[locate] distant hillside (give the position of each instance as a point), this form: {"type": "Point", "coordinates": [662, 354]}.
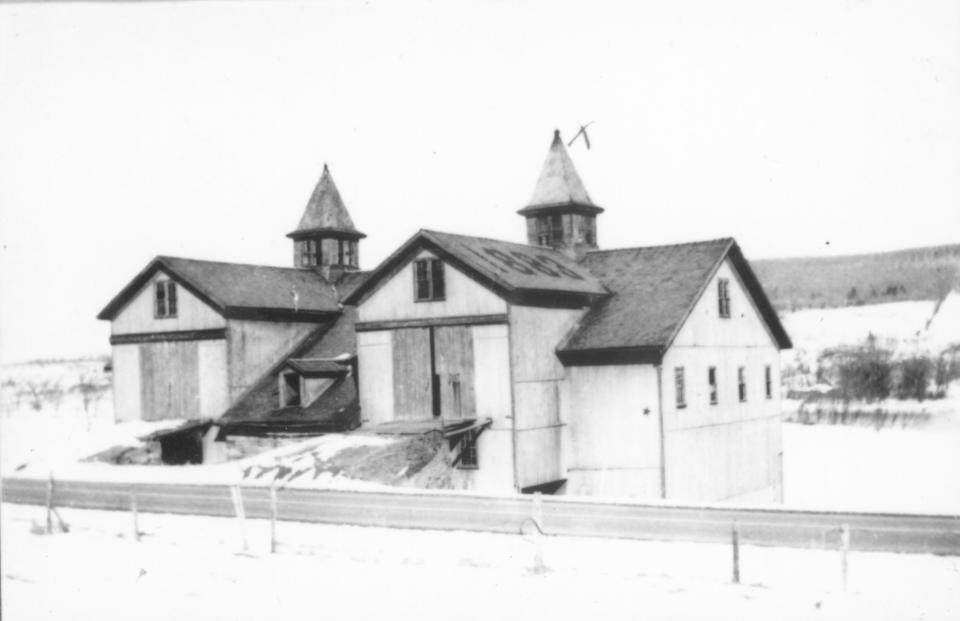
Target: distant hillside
{"type": "Point", "coordinates": [829, 282]}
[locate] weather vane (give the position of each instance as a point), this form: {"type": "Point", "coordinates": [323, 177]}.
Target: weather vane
{"type": "Point", "coordinates": [582, 132]}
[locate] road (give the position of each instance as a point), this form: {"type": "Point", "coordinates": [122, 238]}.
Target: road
{"type": "Point", "coordinates": [558, 515]}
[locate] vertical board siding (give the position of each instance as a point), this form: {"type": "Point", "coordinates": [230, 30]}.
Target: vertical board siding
{"type": "Point", "coordinates": [138, 315]}
{"type": "Point", "coordinates": [453, 347]}
{"type": "Point", "coordinates": [412, 396]}
{"type": "Point", "coordinates": [394, 299]}
{"type": "Point", "coordinates": [375, 365]}
{"type": "Point", "coordinates": [255, 346]}
{"type": "Point", "coordinates": [491, 355]}
{"type": "Point", "coordinates": [538, 456]}
{"type": "Point", "coordinates": [214, 393]}
{"type": "Point", "coordinates": [126, 382]}
{"type": "Point", "coordinates": [169, 376]}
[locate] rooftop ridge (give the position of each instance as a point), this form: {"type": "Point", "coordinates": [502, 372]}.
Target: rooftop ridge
{"type": "Point", "coordinates": [703, 242]}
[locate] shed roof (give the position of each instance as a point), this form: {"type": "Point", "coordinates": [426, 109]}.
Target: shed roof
{"type": "Point", "coordinates": [240, 290]}
{"type": "Point", "coordinates": [559, 184]}
{"type": "Point", "coordinates": [517, 272]}
{"type": "Point", "coordinates": [320, 366]}
{"type": "Point", "coordinates": [325, 211]}
{"type": "Point", "coordinates": [654, 290]}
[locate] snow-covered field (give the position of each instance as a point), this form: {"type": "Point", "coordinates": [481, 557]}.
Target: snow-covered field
{"type": "Point", "coordinates": [895, 323]}
{"type": "Point", "coordinates": [188, 567]}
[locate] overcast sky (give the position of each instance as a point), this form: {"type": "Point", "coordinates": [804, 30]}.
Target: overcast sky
{"type": "Point", "coordinates": [199, 129]}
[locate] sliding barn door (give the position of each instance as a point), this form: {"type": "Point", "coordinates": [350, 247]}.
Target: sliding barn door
{"type": "Point", "coordinates": [412, 386]}
{"type": "Point", "coordinates": [453, 360]}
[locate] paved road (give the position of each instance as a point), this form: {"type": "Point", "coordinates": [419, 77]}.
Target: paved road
{"type": "Point", "coordinates": [560, 516]}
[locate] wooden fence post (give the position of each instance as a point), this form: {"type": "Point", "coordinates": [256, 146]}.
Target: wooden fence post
{"type": "Point", "coordinates": [273, 517]}
{"type": "Point", "coordinates": [237, 497]}
{"type": "Point", "coordinates": [735, 536]}
{"type": "Point", "coordinates": [133, 511]}
{"type": "Point", "coordinates": [536, 515]}
{"type": "Point", "coordinates": [50, 503]}
{"type": "Point", "coordinates": [844, 551]}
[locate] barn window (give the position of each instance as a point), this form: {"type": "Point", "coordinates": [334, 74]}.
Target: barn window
{"type": "Point", "coordinates": [723, 296]}
{"type": "Point", "coordinates": [468, 451]}
{"type": "Point", "coordinates": [712, 380]}
{"type": "Point", "coordinates": [549, 229]}
{"type": "Point", "coordinates": [166, 299]}
{"type": "Point", "coordinates": [768, 381]}
{"type": "Point", "coordinates": [681, 388]}
{"type": "Point", "coordinates": [429, 283]}
{"type": "Point", "coordinates": [742, 383]}
{"type": "Point", "coordinates": [289, 390]}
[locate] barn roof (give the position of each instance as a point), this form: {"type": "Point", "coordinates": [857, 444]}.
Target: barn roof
{"type": "Point", "coordinates": [559, 184]}
{"type": "Point", "coordinates": [240, 290]}
{"type": "Point", "coordinates": [257, 411]}
{"type": "Point", "coordinates": [325, 211]}
{"type": "Point", "coordinates": [518, 272]}
{"type": "Point", "coordinates": [654, 290]}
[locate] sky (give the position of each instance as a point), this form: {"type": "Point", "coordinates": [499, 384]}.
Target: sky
{"type": "Point", "coordinates": [199, 129]}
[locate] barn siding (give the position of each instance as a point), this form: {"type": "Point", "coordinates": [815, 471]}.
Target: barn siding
{"type": "Point", "coordinates": [126, 382]}
{"type": "Point", "coordinates": [254, 346]}
{"type": "Point", "coordinates": [394, 300]}
{"type": "Point", "coordinates": [375, 364]}
{"type": "Point", "coordinates": [412, 393]}
{"type": "Point", "coordinates": [613, 431]}
{"type": "Point", "coordinates": [169, 380]}
{"type": "Point", "coordinates": [214, 392]}
{"type": "Point", "coordinates": [732, 449]}
{"type": "Point", "coordinates": [138, 315]}
{"type": "Point", "coordinates": [537, 383]}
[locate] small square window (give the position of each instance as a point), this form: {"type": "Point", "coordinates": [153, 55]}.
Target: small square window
{"type": "Point", "coordinates": [723, 297]}
{"type": "Point", "coordinates": [165, 299]}
{"type": "Point", "coordinates": [289, 390]}
{"type": "Point", "coordinates": [742, 383]}
{"type": "Point", "coordinates": [428, 280]}
{"type": "Point", "coordinates": [680, 386]}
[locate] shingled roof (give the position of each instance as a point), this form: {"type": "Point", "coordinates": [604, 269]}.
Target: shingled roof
{"type": "Point", "coordinates": [520, 273]}
{"type": "Point", "coordinates": [257, 411]}
{"type": "Point", "coordinates": [654, 291]}
{"type": "Point", "coordinates": [559, 184]}
{"type": "Point", "coordinates": [239, 290]}
{"type": "Point", "coordinates": [325, 211]}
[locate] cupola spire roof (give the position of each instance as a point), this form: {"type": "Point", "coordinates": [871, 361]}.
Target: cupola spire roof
{"type": "Point", "coordinates": [559, 184]}
{"type": "Point", "coordinates": [326, 211]}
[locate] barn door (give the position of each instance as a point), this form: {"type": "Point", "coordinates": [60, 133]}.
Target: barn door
{"type": "Point", "coordinates": [412, 386]}
{"type": "Point", "coordinates": [453, 363]}
{"type": "Point", "coordinates": [169, 380]}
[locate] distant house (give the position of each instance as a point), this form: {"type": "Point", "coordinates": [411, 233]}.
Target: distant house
{"type": "Point", "coordinates": [200, 339]}
{"type": "Point", "coordinates": [645, 372]}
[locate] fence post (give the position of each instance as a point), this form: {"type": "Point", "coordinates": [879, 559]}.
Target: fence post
{"type": "Point", "coordinates": [735, 536]}
{"type": "Point", "coordinates": [273, 517]}
{"type": "Point", "coordinates": [844, 551]}
{"type": "Point", "coordinates": [237, 497]}
{"type": "Point", "coordinates": [133, 511]}
{"type": "Point", "coordinates": [50, 503]}
{"type": "Point", "coordinates": [536, 514]}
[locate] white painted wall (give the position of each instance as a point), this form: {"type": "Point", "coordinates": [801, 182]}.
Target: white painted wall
{"type": "Point", "coordinates": [613, 431]}
{"type": "Point", "coordinates": [731, 449]}
{"type": "Point", "coordinates": [375, 365]}
{"type": "Point", "coordinates": [126, 382]}
{"type": "Point", "coordinates": [138, 315]}
{"type": "Point", "coordinates": [214, 392]}
{"type": "Point", "coordinates": [394, 300]}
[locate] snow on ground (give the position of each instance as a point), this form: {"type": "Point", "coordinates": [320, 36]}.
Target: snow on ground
{"type": "Point", "coordinates": [860, 468]}
{"type": "Point", "coordinates": [189, 567]}
{"type": "Point", "coordinates": [895, 322]}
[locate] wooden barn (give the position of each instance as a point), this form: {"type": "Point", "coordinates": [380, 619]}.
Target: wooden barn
{"type": "Point", "coordinates": [549, 366]}
{"type": "Point", "coordinates": [257, 348]}
{"type": "Point", "coordinates": [641, 372]}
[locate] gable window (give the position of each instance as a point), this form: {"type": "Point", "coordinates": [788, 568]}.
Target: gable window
{"type": "Point", "coordinates": [723, 297]}
{"type": "Point", "coordinates": [712, 380]}
{"type": "Point", "coordinates": [166, 299]}
{"type": "Point", "coordinates": [768, 381]}
{"type": "Point", "coordinates": [428, 284]}
{"type": "Point", "coordinates": [742, 384]}
{"type": "Point", "coordinates": [680, 386]}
